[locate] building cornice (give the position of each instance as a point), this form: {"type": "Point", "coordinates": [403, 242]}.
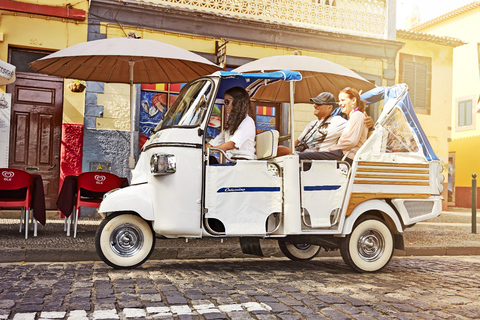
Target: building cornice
{"type": "Point", "coordinates": [420, 36]}
{"type": "Point", "coordinates": [188, 21]}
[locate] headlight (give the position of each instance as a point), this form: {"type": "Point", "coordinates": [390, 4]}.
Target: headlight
{"type": "Point", "coordinates": [161, 164]}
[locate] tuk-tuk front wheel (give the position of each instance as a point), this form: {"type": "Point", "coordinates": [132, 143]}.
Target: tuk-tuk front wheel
{"type": "Point", "coordinates": [124, 240]}
{"type": "Point", "coordinates": [369, 247]}
{"type": "Point", "coordinates": [298, 251]}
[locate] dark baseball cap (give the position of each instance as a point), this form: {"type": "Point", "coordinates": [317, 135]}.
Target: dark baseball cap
{"type": "Point", "coordinates": [324, 98]}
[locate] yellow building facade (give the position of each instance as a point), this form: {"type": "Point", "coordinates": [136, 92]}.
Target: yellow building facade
{"type": "Point", "coordinates": [465, 134]}
{"type": "Point", "coordinates": [437, 54]}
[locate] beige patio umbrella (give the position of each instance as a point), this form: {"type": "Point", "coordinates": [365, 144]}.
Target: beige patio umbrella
{"type": "Point", "coordinates": [318, 75]}
{"type": "Point", "coordinates": [125, 60]}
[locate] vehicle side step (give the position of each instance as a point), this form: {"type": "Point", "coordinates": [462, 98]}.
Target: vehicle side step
{"type": "Point", "coordinates": [251, 246]}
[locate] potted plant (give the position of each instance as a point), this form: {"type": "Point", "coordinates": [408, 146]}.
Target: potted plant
{"type": "Point", "coordinates": [77, 86]}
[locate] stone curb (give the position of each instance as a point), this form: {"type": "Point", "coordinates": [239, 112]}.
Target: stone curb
{"type": "Point", "coordinates": [10, 255]}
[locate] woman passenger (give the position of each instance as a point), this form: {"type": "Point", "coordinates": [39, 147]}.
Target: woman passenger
{"type": "Point", "coordinates": [238, 137]}
{"type": "Point", "coordinates": [355, 133]}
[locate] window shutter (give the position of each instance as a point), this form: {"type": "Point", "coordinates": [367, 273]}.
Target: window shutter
{"type": "Point", "coordinates": [461, 114]}
{"type": "Point", "coordinates": [468, 113]}
{"type": "Point", "coordinates": [416, 71]}
{"type": "Point", "coordinates": [421, 85]}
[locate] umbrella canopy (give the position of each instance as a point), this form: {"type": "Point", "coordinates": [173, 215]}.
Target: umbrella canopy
{"type": "Point", "coordinates": [125, 60]}
{"type": "Point", "coordinates": [7, 73]}
{"type": "Point", "coordinates": [318, 75]}
{"type": "Point", "coordinates": [108, 60]}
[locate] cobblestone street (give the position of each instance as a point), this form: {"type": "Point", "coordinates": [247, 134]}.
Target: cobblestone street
{"type": "Point", "coordinates": [271, 288]}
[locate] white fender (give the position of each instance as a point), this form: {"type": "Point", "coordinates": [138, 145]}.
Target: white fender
{"type": "Point", "coordinates": [363, 207]}
{"type": "Point", "coordinates": [134, 198]}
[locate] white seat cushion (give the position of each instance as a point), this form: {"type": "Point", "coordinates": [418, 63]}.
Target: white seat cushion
{"type": "Point", "coordinates": [266, 144]}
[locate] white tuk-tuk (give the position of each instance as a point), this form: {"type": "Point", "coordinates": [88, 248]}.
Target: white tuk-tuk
{"type": "Point", "coordinates": [362, 209]}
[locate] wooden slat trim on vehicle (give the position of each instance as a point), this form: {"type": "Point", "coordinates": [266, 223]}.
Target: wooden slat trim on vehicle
{"type": "Point", "coordinates": [396, 182]}
{"type": "Point", "coordinates": [381, 176]}
{"type": "Point", "coordinates": [391, 170]}
{"type": "Point", "coordinates": [393, 164]}
{"type": "Point", "coordinates": [357, 198]}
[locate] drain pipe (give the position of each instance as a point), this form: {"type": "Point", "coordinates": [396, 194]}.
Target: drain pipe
{"type": "Point", "coordinates": [474, 203]}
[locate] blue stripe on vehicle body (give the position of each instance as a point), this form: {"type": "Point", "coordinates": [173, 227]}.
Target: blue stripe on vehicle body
{"type": "Point", "coordinates": [248, 189]}
{"type": "Point", "coordinates": [320, 188]}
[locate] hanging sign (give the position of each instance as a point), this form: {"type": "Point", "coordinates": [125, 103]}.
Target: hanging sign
{"type": "Point", "coordinates": [7, 73]}
{"type": "Point", "coordinates": [221, 52]}
{"type": "Point", "coordinates": [5, 107]}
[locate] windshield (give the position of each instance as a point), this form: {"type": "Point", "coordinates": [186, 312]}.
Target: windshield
{"type": "Point", "coordinates": [190, 106]}
{"type": "Point", "coordinates": [397, 135]}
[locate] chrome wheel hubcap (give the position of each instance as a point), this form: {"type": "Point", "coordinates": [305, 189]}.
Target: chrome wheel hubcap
{"type": "Point", "coordinates": [302, 246]}
{"type": "Point", "coordinates": [126, 240]}
{"type": "Point", "coordinates": [371, 245]}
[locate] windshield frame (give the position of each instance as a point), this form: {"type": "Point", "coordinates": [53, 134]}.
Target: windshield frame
{"type": "Point", "coordinates": [213, 91]}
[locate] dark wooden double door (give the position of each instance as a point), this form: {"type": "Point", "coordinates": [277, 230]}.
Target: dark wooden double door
{"type": "Point", "coordinates": [35, 129]}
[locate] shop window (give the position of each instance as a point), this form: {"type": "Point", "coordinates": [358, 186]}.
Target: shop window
{"type": "Point", "coordinates": [267, 116]}
{"type": "Point", "coordinates": [155, 99]}
{"type": "Point", "coordinates": [20, 58]}
{"type": "Point", "coordinates": [465, 119]}
{"type": "Point", "coordinates": [416, 72]}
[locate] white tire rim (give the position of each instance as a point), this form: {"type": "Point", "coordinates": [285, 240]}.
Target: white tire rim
{"type": "Point", "coordinates": [125, 240]}
{"type": "Point", "coordinates": [371, 245]}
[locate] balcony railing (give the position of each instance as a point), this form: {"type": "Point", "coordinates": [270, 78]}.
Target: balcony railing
{"type": "Point", "coordinates": [358, 17]}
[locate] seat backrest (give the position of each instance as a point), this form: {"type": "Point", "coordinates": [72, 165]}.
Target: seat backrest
{"type": "Point", "coordinates": [12, 179]}
{"type": "Point", "coordinates": [267, 144]}
{"type": "Point", "coordinates": [98, 181]}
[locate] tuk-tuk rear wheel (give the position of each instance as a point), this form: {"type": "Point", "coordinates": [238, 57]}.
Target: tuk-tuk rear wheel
{"type": "Point", "coordinates": [124, 240]}
{"type": "Point", "coordinates": [298, 251]}
{"type": "Point", "coordinates": [369, 247]}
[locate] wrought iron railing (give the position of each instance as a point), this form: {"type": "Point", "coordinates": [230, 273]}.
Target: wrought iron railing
{"type": "Point", "coordinates": [358, 17]}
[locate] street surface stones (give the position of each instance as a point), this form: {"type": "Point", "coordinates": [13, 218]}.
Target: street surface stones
{"type": "Point", "coordinates": [446, 287]}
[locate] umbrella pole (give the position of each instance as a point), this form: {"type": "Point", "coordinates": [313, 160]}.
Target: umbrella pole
{"type": "Point", "coordinates": [292, 94]}
{"type": "Point", "coordinates": [131, 159]}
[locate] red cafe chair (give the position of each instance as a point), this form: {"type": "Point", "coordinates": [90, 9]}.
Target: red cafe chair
{"type": "Point", "coordinates": [16, 180]}
{"type": "Point", "coordinates": [91, 186]}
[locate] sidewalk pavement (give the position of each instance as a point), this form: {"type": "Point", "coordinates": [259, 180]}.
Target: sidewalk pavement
{"type": "Point", "coordinates": [448, 234]}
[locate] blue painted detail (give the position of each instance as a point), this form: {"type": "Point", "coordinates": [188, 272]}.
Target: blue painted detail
{"type": "Point", "coordinates": [320, 188]}
{"type": "Point", "coordinates": [94, 29]}
{"type": "Point", "coordinates": [93, 110]}
{"type": "Point", "coordinates": [90, 98]}
{"type": "Point", "coordinates": [90, 122]}
{"type": "Point", "coordinates": [248, 189]}
{"type": "Point", "coordinates": [95, 87]}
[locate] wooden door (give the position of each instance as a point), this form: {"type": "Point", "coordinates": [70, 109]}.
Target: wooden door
{"type": "Point", "coordinates": [35, 130]}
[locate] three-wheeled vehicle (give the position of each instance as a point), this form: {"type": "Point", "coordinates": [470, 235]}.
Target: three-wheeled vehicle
{"type": "Point", "coordinates": [362, 209]}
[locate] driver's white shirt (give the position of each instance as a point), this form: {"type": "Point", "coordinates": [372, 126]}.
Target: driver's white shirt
{"type": "Point", "coordinates": [244, 139]}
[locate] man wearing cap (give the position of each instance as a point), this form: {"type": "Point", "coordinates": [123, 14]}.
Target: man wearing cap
{"type": "Point", "coordinates": [322, 133]}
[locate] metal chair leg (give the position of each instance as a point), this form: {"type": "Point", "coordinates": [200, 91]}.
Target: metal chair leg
{"type": "Point", "coordinates": [75, 223]}
{"type": "Point", "coordinates": [68, 225]}
{"type": "Point", "coordinates": [34, 226]}
{"type": "Point", "coordinates": [21, 219]}
{"type": "Point", "coordinates": [27, 214]}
